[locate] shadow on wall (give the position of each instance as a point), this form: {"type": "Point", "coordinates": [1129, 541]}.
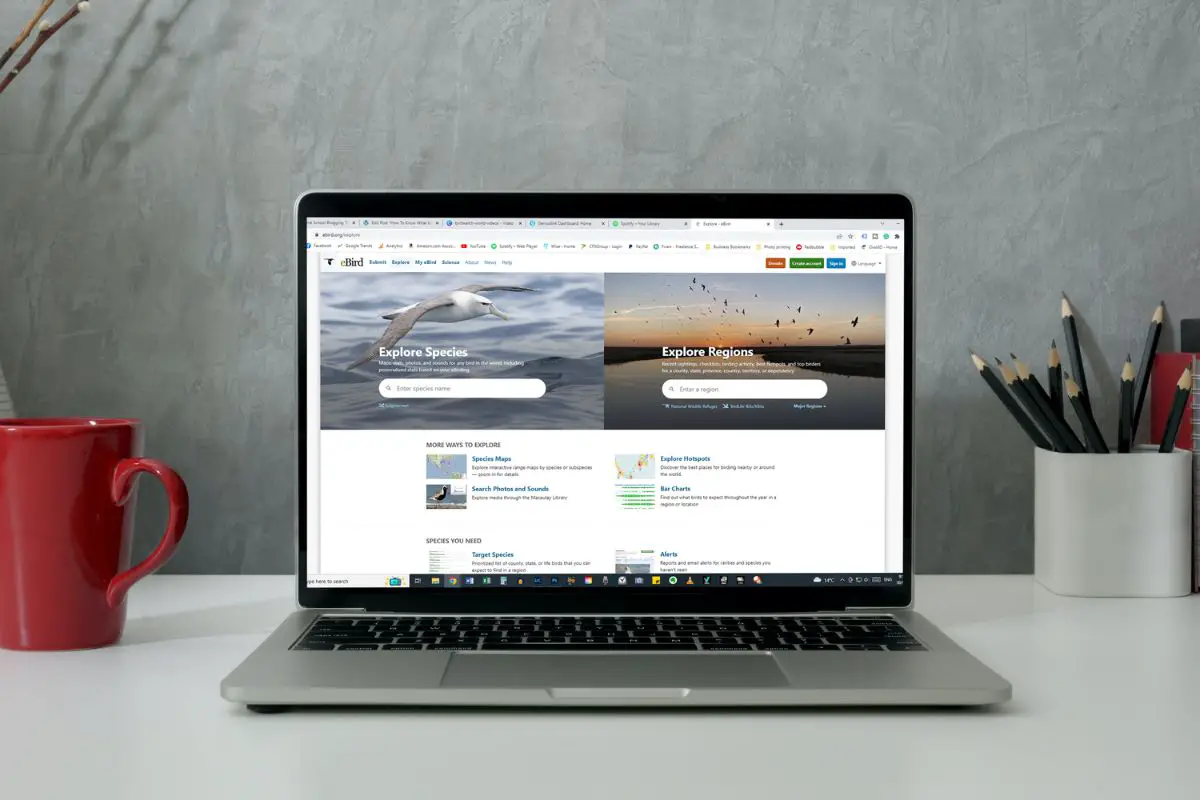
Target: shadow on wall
{"type": "Point", "coordinates": [113, 133]}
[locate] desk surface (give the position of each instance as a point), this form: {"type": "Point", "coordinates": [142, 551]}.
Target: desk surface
{"type": "Point", "coordinates": [1106, 702]}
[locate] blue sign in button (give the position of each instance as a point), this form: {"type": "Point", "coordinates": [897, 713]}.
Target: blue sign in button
{"type": "Point", "coordinates": [835, 263]}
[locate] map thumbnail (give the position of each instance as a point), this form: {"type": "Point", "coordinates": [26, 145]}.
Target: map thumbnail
{"type": "Point", "coordinates": [445, 466]}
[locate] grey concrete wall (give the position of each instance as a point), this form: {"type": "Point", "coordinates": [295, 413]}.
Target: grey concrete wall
{"type": "Point", "coordinates": [150, 156]}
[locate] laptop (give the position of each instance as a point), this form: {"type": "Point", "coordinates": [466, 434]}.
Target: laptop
{"type": "Point", "coordinates": [585, 449]}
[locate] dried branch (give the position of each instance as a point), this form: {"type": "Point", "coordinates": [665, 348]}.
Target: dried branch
{"type": "Point", "coordinates": [44, 33]}
{"type": "Point", "coordinates": [24, 34]}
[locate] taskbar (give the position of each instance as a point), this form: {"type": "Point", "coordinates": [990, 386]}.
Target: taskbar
{"type": "Point", "coordinates": [622, 580]}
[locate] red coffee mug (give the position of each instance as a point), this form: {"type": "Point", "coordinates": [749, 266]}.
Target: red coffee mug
{"type": "Point", "coordinates": [66, 524]}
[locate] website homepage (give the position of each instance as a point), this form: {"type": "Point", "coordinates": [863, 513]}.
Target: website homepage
{"type": "Point", "coordinates": [604, 403]}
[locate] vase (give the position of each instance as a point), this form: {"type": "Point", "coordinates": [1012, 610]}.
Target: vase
{"type": "Point", "coordinates": [6, 406]}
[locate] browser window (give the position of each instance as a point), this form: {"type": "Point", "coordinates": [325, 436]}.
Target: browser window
{"type": "Point", "coordinates": [604, 402]}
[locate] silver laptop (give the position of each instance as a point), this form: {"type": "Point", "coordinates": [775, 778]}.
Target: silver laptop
{"type": "Point", "coordinates": [605, 449]}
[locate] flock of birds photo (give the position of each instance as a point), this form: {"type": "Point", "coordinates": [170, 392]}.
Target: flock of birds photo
{"type": "Point", "coordinates": [709, 315]}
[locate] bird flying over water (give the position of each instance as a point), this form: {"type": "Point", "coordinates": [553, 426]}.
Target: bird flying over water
{"type": "Point", "coordinates": [854, 322]}
{"type": "Point", "coordinates": [457, 305]}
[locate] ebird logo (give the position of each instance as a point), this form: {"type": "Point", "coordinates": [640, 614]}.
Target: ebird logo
{"type": "Point", "coordinates": [351, 262]}
{"type": "Point", "coordinates": [329, 262]}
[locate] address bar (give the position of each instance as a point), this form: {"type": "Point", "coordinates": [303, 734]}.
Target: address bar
{"type": "Point", "coordinates": [340, 235]}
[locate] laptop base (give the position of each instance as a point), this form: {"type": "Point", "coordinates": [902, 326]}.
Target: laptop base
{"type": "Point", "coordinates": [275, 678]}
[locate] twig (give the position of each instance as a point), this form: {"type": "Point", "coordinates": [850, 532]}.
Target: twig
{"type": "Point", "coordinates": [24, 34]}
{"type": "Point", "coordinates": [39, 40]}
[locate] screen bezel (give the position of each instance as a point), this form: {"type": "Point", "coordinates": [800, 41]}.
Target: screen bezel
{"type": "Point", "coordinates": [625, 600]}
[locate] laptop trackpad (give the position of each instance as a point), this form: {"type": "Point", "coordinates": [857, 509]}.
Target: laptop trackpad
{"type": "Point", "coordinates": [545, 670]}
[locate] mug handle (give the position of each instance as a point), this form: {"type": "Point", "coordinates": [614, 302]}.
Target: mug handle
{"type": "Point", "coordinates": [177, 498]}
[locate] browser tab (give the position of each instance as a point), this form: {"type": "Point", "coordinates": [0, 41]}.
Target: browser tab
{"type": "Point", "coordinates": [487, 223]}
{"type": "Point", "coordinates": [732, 224]}
{"type": "Point", "coordinates": [652, 224]}
{"type": "Point", "coordinates": [566, 224]}
{"type": "Point", "coordinates": [401, 222]}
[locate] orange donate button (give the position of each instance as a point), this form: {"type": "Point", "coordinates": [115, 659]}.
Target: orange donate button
{"type": "Point", "coordinates": [776, 263]}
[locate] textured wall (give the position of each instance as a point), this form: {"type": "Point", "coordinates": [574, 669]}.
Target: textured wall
{"type": "Point", "coordinates": [151, 156]}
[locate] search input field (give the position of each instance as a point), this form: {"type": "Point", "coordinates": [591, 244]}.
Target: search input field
{"type": "Point", "coordinates": [474, 388]}
{"type": "Point", "coordinates": [782, 389]}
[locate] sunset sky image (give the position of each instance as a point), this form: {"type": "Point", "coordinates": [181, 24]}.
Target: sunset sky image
{"type": "Point", "coordinates": [741, 309]}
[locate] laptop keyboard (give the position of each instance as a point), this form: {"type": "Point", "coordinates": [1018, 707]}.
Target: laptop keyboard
{"type": "Point", "coordinates": [607, 633]}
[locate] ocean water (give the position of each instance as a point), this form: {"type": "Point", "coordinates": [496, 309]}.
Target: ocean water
{"type": "Point", "coordinates": [574, 400]}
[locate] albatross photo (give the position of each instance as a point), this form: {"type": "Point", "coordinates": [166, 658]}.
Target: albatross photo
{"type": "Point", "coordinates": [381, 329]}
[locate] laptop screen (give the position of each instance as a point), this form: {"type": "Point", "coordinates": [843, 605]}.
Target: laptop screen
{"type": "Point", "coordinates": [591, 404]}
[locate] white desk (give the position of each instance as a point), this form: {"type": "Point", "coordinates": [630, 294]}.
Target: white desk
{"type": "Point", "coordinates": [1106, 704]}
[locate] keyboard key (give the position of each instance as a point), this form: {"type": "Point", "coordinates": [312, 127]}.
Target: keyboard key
{"type": "Point", "coordinates": [819, 647]}
{"type": "Point", "coordinates": [402, 647]}
{"type": "Point", "coordinates": [450, 647]}
{"type": "Point", "coordinates": [709, 646]}
{"type": "Point", "coordinates": [544, 646]}
{"type": "Point", "coordinates": [313, 646]}
{"type": "Point", "coordinates": [358, 647]}
{"type": "Point", "coordinates": [349, 633]}
{"type": "Point", "coordinates": [906, 647]}
{"type": "Point", "coordinates": [657, 646]}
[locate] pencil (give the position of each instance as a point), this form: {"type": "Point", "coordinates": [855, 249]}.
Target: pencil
{"type": "Point", "coordinates": [1090, 431]}
{"type": "Point", "coordinates": [1183, 390]}
{"type": "Point", "coordinates": [1073, 352]}
{"type": "Point", "coordinates": [1035, 413]}
{"type": "Point", "coordinates": [1042, 400]}
{"type": "Point", "coordinates": [1054, 376]}
{"type": "Point", "coordinates": [1143, 378]}
{"type": "Point", "coordinates": [1125, 421]}
{"type": "Point", "coordinates": [1006, 398]}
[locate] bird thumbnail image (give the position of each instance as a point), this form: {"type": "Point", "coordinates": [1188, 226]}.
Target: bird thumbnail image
{"type": "Point", "coordinates": [445, 495]}
{"type": "Point", "coordinates": [457, 305]}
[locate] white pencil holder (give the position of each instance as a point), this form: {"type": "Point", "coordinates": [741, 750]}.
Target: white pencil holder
{"type": "Point", "coordinates": [1115, 525]}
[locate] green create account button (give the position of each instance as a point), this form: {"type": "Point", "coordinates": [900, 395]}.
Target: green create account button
{"type": "Point", "coordinates": [806, 263]}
